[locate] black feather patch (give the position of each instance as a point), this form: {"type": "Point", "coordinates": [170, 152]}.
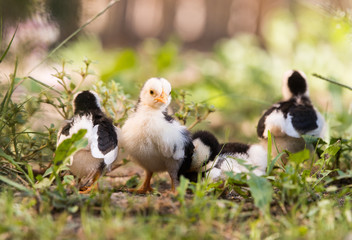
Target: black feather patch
{"type": "Point", "coordinates": [85, 102]}
{"type": "Point", "coordinates": [189, 149]}
{"type": "Point", "coordinates": [297, 83]}
{"type": "Point", "coordinates": [304, 119]}
{"type": "Point", "coordinates": [66, 129]}
{"type": "Point", "coordinates": [168, 117]}
{"type": "Point", "coordinates": [233, 147]}
{"type": "Point", "coordinates": [107, 136]}
{"type": "Point", "coordinates": [286, 106]}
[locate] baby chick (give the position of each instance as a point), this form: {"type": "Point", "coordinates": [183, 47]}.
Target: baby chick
{"type": "Point", "coordinates": [292, 117]}
{"type": "Point", "coordinates": [153, 139]}
{"type": "Point", "coordinates": [89, 164]}
{"type": "Point", "coordinates": [213, 159]}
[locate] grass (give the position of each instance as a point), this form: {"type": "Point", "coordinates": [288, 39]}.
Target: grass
{"type": "Point", "coordinates": [301, 200]}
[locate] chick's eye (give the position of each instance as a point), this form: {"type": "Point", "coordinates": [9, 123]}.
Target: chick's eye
{"type": "Point", "coordinates": [151, 92]}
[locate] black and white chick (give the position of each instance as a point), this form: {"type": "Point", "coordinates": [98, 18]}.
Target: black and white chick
{"type": "Point", "coordinates": [153, 139]}
{"type": "Point", "coordinates": [213, 160]}
{"type": "Point", "coordinates": [89, 163]}
{"type": "Point", "coordinates": [292, 117]}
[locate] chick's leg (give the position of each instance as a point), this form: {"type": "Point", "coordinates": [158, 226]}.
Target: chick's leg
{"type": "Point", "coordinates": [88, 187]}
{"type": "Point", "coordinates": [146, 185]}
{"type": "Point", "coordinates": [174, 181]}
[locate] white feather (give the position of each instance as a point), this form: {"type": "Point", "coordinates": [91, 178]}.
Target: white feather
{"type": "Point", "coordinates": [215, 174]}
{"type": "Point", "coordinates": [256, 156]}
{"type": "Point", "coordinates": [111, 156]}
{"type": "Point", "coordinates": [275, 123]}
{"type": "Point", "coordinates": [94, 143]}
{"type": "Point", "coordinates": [200, 155]}
{"type": "Point", "coordinates": [84, 122]}
{"type": "Point", "coordinates": [289, 129]}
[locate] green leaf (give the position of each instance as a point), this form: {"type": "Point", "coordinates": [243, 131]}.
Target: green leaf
{"type": "Point", "coordinates": [69, 146]}
{"type": "Point", "coordinates": [43, 183]}
{"type": "Point", "coordinates": [299, 157]}
{"type": "Point", "coordinates": [261, 191]}
{"type": "Point", "coordinates": [132, 182]}
{"type": "Point", "coordinates": [235, 178]}
{"type": "Point", "coordinates": [48, 172]}
{"type": "Point", "coordinates": [332, 149]}
{"type": "Point", "coordinates": [72, 86]}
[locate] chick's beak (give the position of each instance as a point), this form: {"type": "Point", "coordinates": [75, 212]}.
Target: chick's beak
{"type": "Point", "coordinates": [162, 98]}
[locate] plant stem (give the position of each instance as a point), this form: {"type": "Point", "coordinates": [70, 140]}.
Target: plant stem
{"type": "Point", "coordinates": [198, 120]}
{"type": "Point", "coordinates": [34, 151]}
{"type": "Point", "coordinates": [332, 81]}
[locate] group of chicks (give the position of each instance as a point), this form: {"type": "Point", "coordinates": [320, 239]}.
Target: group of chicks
{"type": "Point", "coordinates": [159, 143]}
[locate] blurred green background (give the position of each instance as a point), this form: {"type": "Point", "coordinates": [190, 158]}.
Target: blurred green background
{"type": "Point", "coordinates": [230, 54]}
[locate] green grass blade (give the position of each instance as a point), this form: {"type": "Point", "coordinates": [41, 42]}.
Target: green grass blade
{"type": "Point", "coordinates": [2, 105]}
{"type": "Point", "coordinates": [6, 100]}
{"type": "Point", "coordinates": [332, 81]}
{"type": "Point", "coordinates": [273, 162]}
{"type": "Point", "coordinates": [43, 84]}
{"type": "Point", "coordinates": [30, 172]}
{"type": "Point", "coordinates": [15, 185]}
{"type": "Point", "coordinates": [269, 153]}
{"type": "Point", "coordinates": [8, 46]}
